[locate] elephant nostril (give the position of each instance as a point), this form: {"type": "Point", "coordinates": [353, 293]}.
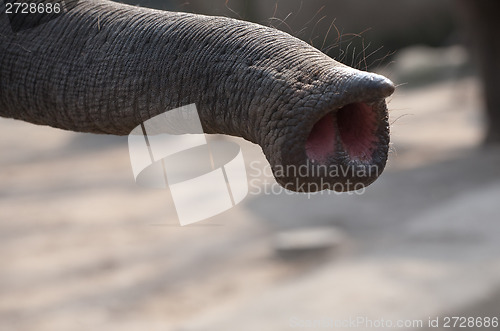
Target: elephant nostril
{"type": "Point", "coordinates": [357, 125]}
{"type": "Point", "coordinates": [353, 126]}
{"type": "Point", "coordinates": [321, 141]}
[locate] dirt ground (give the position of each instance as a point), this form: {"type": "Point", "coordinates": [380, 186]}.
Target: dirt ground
{"type": "Point", "coordinates": [84, 248]}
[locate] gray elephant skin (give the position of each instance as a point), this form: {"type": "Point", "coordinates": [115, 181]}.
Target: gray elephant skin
{"type": "Point", "coordinates": [104, 67]}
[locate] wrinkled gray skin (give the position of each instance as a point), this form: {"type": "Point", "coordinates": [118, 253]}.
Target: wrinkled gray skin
{"type": "Point", "coordinates": [105, 67]}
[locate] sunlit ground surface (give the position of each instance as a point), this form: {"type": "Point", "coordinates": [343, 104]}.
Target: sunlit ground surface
{"type": "Point", "coordinates": [83, 248]}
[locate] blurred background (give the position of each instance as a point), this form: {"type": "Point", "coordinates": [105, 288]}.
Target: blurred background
{"type": "Point", "coordinates": [83, 248]}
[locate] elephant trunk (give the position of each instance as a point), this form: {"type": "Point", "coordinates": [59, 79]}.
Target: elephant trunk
{"type": "Point", "coordinates": [105, 67]}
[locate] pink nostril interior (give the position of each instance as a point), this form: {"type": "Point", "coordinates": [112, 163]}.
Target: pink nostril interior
{"type": "Point", "coordinates": [321, 141]}
{"type": "Point", "coordinates": [356, 123]}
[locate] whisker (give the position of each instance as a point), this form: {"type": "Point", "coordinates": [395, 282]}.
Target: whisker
{"type": "Point", "coordinates": [232, 11]}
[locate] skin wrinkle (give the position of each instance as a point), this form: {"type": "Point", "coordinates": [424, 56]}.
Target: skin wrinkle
{"type": "Point", "coordinates": [120, 91]}
{"type": "Point", "coordinates": [115, 66]}
{"type": "Point", "coordinates": [68, 87]}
